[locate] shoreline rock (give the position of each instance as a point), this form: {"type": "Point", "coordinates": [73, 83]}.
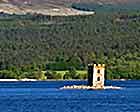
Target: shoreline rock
{"type": "Point", "coordinates": [90, 87]}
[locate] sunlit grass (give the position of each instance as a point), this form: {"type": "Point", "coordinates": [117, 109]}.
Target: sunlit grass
{"type": "Point", "coordinates": [77, 71]}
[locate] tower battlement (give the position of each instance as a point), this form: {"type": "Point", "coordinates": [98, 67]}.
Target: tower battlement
{"type": "Point", "coordinates": [99, 65]}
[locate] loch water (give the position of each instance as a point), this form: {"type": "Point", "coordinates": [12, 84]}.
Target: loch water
{"type": "Point", "coordinates": [45, 96]}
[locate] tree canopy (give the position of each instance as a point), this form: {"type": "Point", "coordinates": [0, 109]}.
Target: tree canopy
{"type": "Point", "coordinates": [35, 42]}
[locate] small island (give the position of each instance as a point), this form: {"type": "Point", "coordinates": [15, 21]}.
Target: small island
{"type": "Point", "coordinates": [96, 78]}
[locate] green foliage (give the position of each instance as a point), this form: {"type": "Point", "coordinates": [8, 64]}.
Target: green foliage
{"type": "Point", "coordinates": [67, 76]}
{"type": "Point", "coordinates": [5, 74]}
{"type": "Point", "coordinates": [56, 75]}
{"type": "Point", "coordinates": [53, 75]}
{"type": "Point", "coordinates": [65, 64]}
{"type": "Point", "coordinates": [39, 75]}
{"type": "Point", "coordinates": [49, 75]}
{"type": "Point", "coordinates": [71, 74]}
{"type": "Point", "coordinates": [29, 42]}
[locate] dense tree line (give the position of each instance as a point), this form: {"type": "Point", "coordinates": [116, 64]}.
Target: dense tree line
{"type": "Point", "coordinates": [33, 43]}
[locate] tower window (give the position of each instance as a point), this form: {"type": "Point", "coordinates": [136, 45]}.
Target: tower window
{"type": "Point", "coordinates": [98, 78]}
{"type": "Point", "coordinates": [98, 71]}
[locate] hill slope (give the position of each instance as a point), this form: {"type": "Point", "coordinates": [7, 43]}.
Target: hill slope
{"type": "Point", "coordinates": [52, 7]}
{"type": "Point", "coordinates": [45, 7]}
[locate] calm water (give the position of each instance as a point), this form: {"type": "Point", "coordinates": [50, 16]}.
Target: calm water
{"type": "Point", "coordinates": [46, 97]}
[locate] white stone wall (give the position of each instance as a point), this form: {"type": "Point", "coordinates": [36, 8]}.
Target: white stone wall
{"type": "Point", "coordinates": [101, 74]}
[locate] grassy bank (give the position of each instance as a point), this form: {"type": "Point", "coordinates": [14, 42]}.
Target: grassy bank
{"type": "Point", "coordinates": [67, 74]}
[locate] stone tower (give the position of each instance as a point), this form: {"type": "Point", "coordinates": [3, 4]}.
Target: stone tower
{"type": "Point", "coordinates": [96, 73]}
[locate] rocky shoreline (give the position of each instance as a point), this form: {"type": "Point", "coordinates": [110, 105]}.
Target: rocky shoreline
{"type": "Point", "coordinates": [89, 87]}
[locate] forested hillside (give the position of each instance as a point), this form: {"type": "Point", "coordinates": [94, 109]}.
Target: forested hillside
{"type": "Point", "coordinates": [35, 43]}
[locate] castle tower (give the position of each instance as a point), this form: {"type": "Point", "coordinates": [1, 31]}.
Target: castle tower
{"type": "Point", "coordinates": [96, 75]}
